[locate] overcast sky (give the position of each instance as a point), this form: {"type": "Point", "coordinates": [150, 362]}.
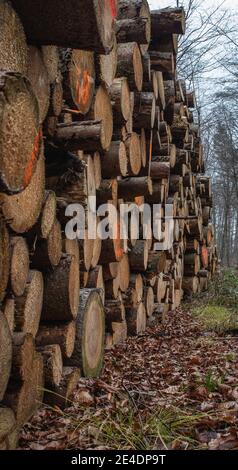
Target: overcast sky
{"type": "Point", "coordinates": [165, 3]}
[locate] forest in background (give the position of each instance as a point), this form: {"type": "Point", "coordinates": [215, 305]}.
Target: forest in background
{"type": "Point", "coordinates": [208, 59]}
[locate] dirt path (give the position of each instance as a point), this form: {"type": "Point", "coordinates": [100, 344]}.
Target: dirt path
{"type": "Point", "coordinates": [174, 387]}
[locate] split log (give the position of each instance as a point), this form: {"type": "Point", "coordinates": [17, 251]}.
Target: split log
{"type": "Point", "coordinates": [62, 334]}
{"type": "Point", "coordinates": [4, 258]}
{"type": "Point", "coordinates": [53, 365]}
{"type": "Point", "coordinates": [120, 98]}
{"type": "Point", "coordinates": [39, 79]}
{"type": "Point", "coordinates": [144, 110]}
{"type": "Point", "coordinates": [61, 291]}
{"type": "Point", "coordinates": [61, 396]}
{"type": "Point", "coordinates": [21, 211]}
{"type": "Point", "coordinates": [48, 251]}
{"type": "Point", "coordinates": [90, 334]}
{"type": "Point", "coordinates": [28, 306]}
{"type": "Point", "coordinates": [136, 320]}
{"type": "Point", "coordinates": [19, 265]}
{"type": "Point", "coordinates": [114, 162]}
{"type": "Point", "coordinates": [133, 10]}
{"type": "Point", "coordinates": [78, 72]}
{"type": "Point", "coordinates": [167, 20]}
{"type": "Point", "coordinates": [22, 357]}
{"type": "Point", "coordinates": [129, 65]}
{"type": "Point", "coordinates": [85, 25]}
{"type": "Point", "coordinates": [5, 354]}
{"type": "Point", "coordinates": [20, 142]}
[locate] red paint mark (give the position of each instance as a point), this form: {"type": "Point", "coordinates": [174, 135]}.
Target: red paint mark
{"type": "Point", "coordinates": [83, 89]}
{"type": "Point", "coordinates": [113, 7]}
{"type": "Point", "coordinates": [34, 155]}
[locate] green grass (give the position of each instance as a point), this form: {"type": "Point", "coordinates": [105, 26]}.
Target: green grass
{"type": "Point", "coordinates": [217, 310]}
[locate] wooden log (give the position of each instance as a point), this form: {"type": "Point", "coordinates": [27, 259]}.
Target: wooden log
{"type": "Point", "coordinates": [46, 219]}
{"type": "Point", "coordinates": [144, 110]}
{"type": "Point", "coordinates": [190, 285]}
{"type": "Point", "coordinates": [53, 365]}
{"type": "Point", "coordinates": [48, 251]}
{"type": "Point", "coordinates": [101, 110]}
{"type": "Point", "coordinates": [162, 62]}
{"type": "Point", "coordinates": [106, 65]}
{"type": "Point", "coordinates": [87, 136]}
{"type": "Point", "coordinates": [138, 256]}
{"type": "Point", "coordinates": [95, 281]}
{"type": "Point", "coordinates": [39, 79]}
{"type": "Point", "coordinates": [114, 312]}
{"type": "Point", "coordinates": [51, 60]}
{"type": "Point", "coordinates": [114, 162]}
{"type": "Point", "coordinates": [149, 301]}
{"type": "Point", "coordinates": [107, 191]}
{"type": "Point", "coordinates": [18, 156]}
{"type": "Point", "coordinates": [19, 265]}
{"type": "Point", "coordinates": [120, 99]}
{"type": "Point", "coordinates": [119, 332]}
{"type": "Point", "coordinates": [129, 65]}
{"type": "Point", "coordinates": [60, 24]}
{"type": "Point", "coordinates": [90, 334]}
{"type": "Point", "coordinates": [167, 20]}
{"type": "Point", "coordinates": [5, 354]}
{"type": "Point", "coordinates": [25, 399]}
{"type": "Point", "coordinates": [133, 30]}
{"type": "Point", "coordinates": [56, 99]}
{"type": "Point", "coordinates": [8, 431]}
{"type": "Point", "coordinates": [112, 249]}
{"type": "Point", "coordinates": [133, 10]}
{"type": "Point", "coordinates": [86, 252]}
{"type": "Point", "coordinates": [8, 309]}
{"type": "Point", "coordinates": [134, 293]}
{"type": "Point", "coordinates": [61, 291]}
{"type": "Point", "coordinates": [61, 396]}
{"type": "Point", "coordinates": [28, 306]}
{"type": "Point", "coordinates": [13, 47]}
{"type": "Point", "coordinates": [133, 149]}
{"type": "Point", "coordinates": [22, 356]}
{"type": "Point", "coordinates": [136, 320]}
{"type": "Point", "coordinates": [22, 210]}
{"type": "Point", "coordinates": [78, 72]}
{"type": "Point", "coordinates": [129, 188]}
{"type": "Point", "coordinates": [124, 273]}
{"type": "Point", "coordinates": [110, 271]}
{"type": "Point", "coordinates": [62, 334]}
{"type": "Point", "coordinates": [4, 258]}
{"type": "Point", "coordinates": [97, 169]}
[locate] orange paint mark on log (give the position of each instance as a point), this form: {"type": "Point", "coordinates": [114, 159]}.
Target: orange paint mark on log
{"type": "Point", "coordinates": [83, 89]}
{"type": "Point", "coordinates": [113, 7]}
{"type": "Point", "coordinates": [34, 155]}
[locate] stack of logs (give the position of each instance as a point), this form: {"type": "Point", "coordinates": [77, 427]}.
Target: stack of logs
{"type": "Point", "coordinates": [90, 105]}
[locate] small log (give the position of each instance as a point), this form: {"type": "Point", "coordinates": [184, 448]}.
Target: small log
{"type": "Point", "coordinates": [149, 301]}
{"type": "Point", "coordinates": [51, 60]}
{"type": "Point", "coordinates": [114, 312]}
{"type": "Point", "coordinates": [8, 309]}
{"type": "Point", "coordinates": [114, 162]}
{"type": "Point", "coordinates": [28, 306]}
{"type": "Point", "coordinates": [124, 273]}
{"type": "Point", "coordinates": [168, 20]}
{"type": "Point", "coordinates": [144, 110]}
{"type": "Point", "coordinates": [129, 188]}
{"type": "Point", "coordinates": [120, 98]}
{"type": "Point", "coordinates": [106, 65]}
{"type": "Point", "coordinates": [61, 291]}
{"type": "Point", "coordinates": [138, 256]}
{"type": "Point", "coordinates": [8, 432]}
{"type": "Point", "coordinates": [62, 334]}
{"type": "Point", "coordinates": [133, 30]}
{"type": "Point", "coordinates": [133, 149]}
{"type": "Point", "coordinates": [133, 10]}
{"type": "Point", "coordinates": [129, 65]}
{"type": "Point", "coordinates": [87, 136]}
{"type": "Point", "coordinates": [48, 251]}
{"type": "Point", "coordinates": [61, 396]}
{"type": "Point", "coordinates": [4, 258]}
{"type": "Point", "coordinates": [78, 72]}
{"type": "Point", "coordinates": [136, 320]}
{"type": "Point", "coordinates": [22, 356]}
{"type": "Point", "coordinates": [162, 62]}
{"type": "Point", "coordinates": [53, 365]}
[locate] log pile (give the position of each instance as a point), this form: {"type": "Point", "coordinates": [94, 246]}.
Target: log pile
{"type": "Point", "coordinates": [97, 115]}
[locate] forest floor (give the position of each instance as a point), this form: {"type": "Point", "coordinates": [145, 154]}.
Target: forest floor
{"type": "Point", "coordinates": [174, 387]}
